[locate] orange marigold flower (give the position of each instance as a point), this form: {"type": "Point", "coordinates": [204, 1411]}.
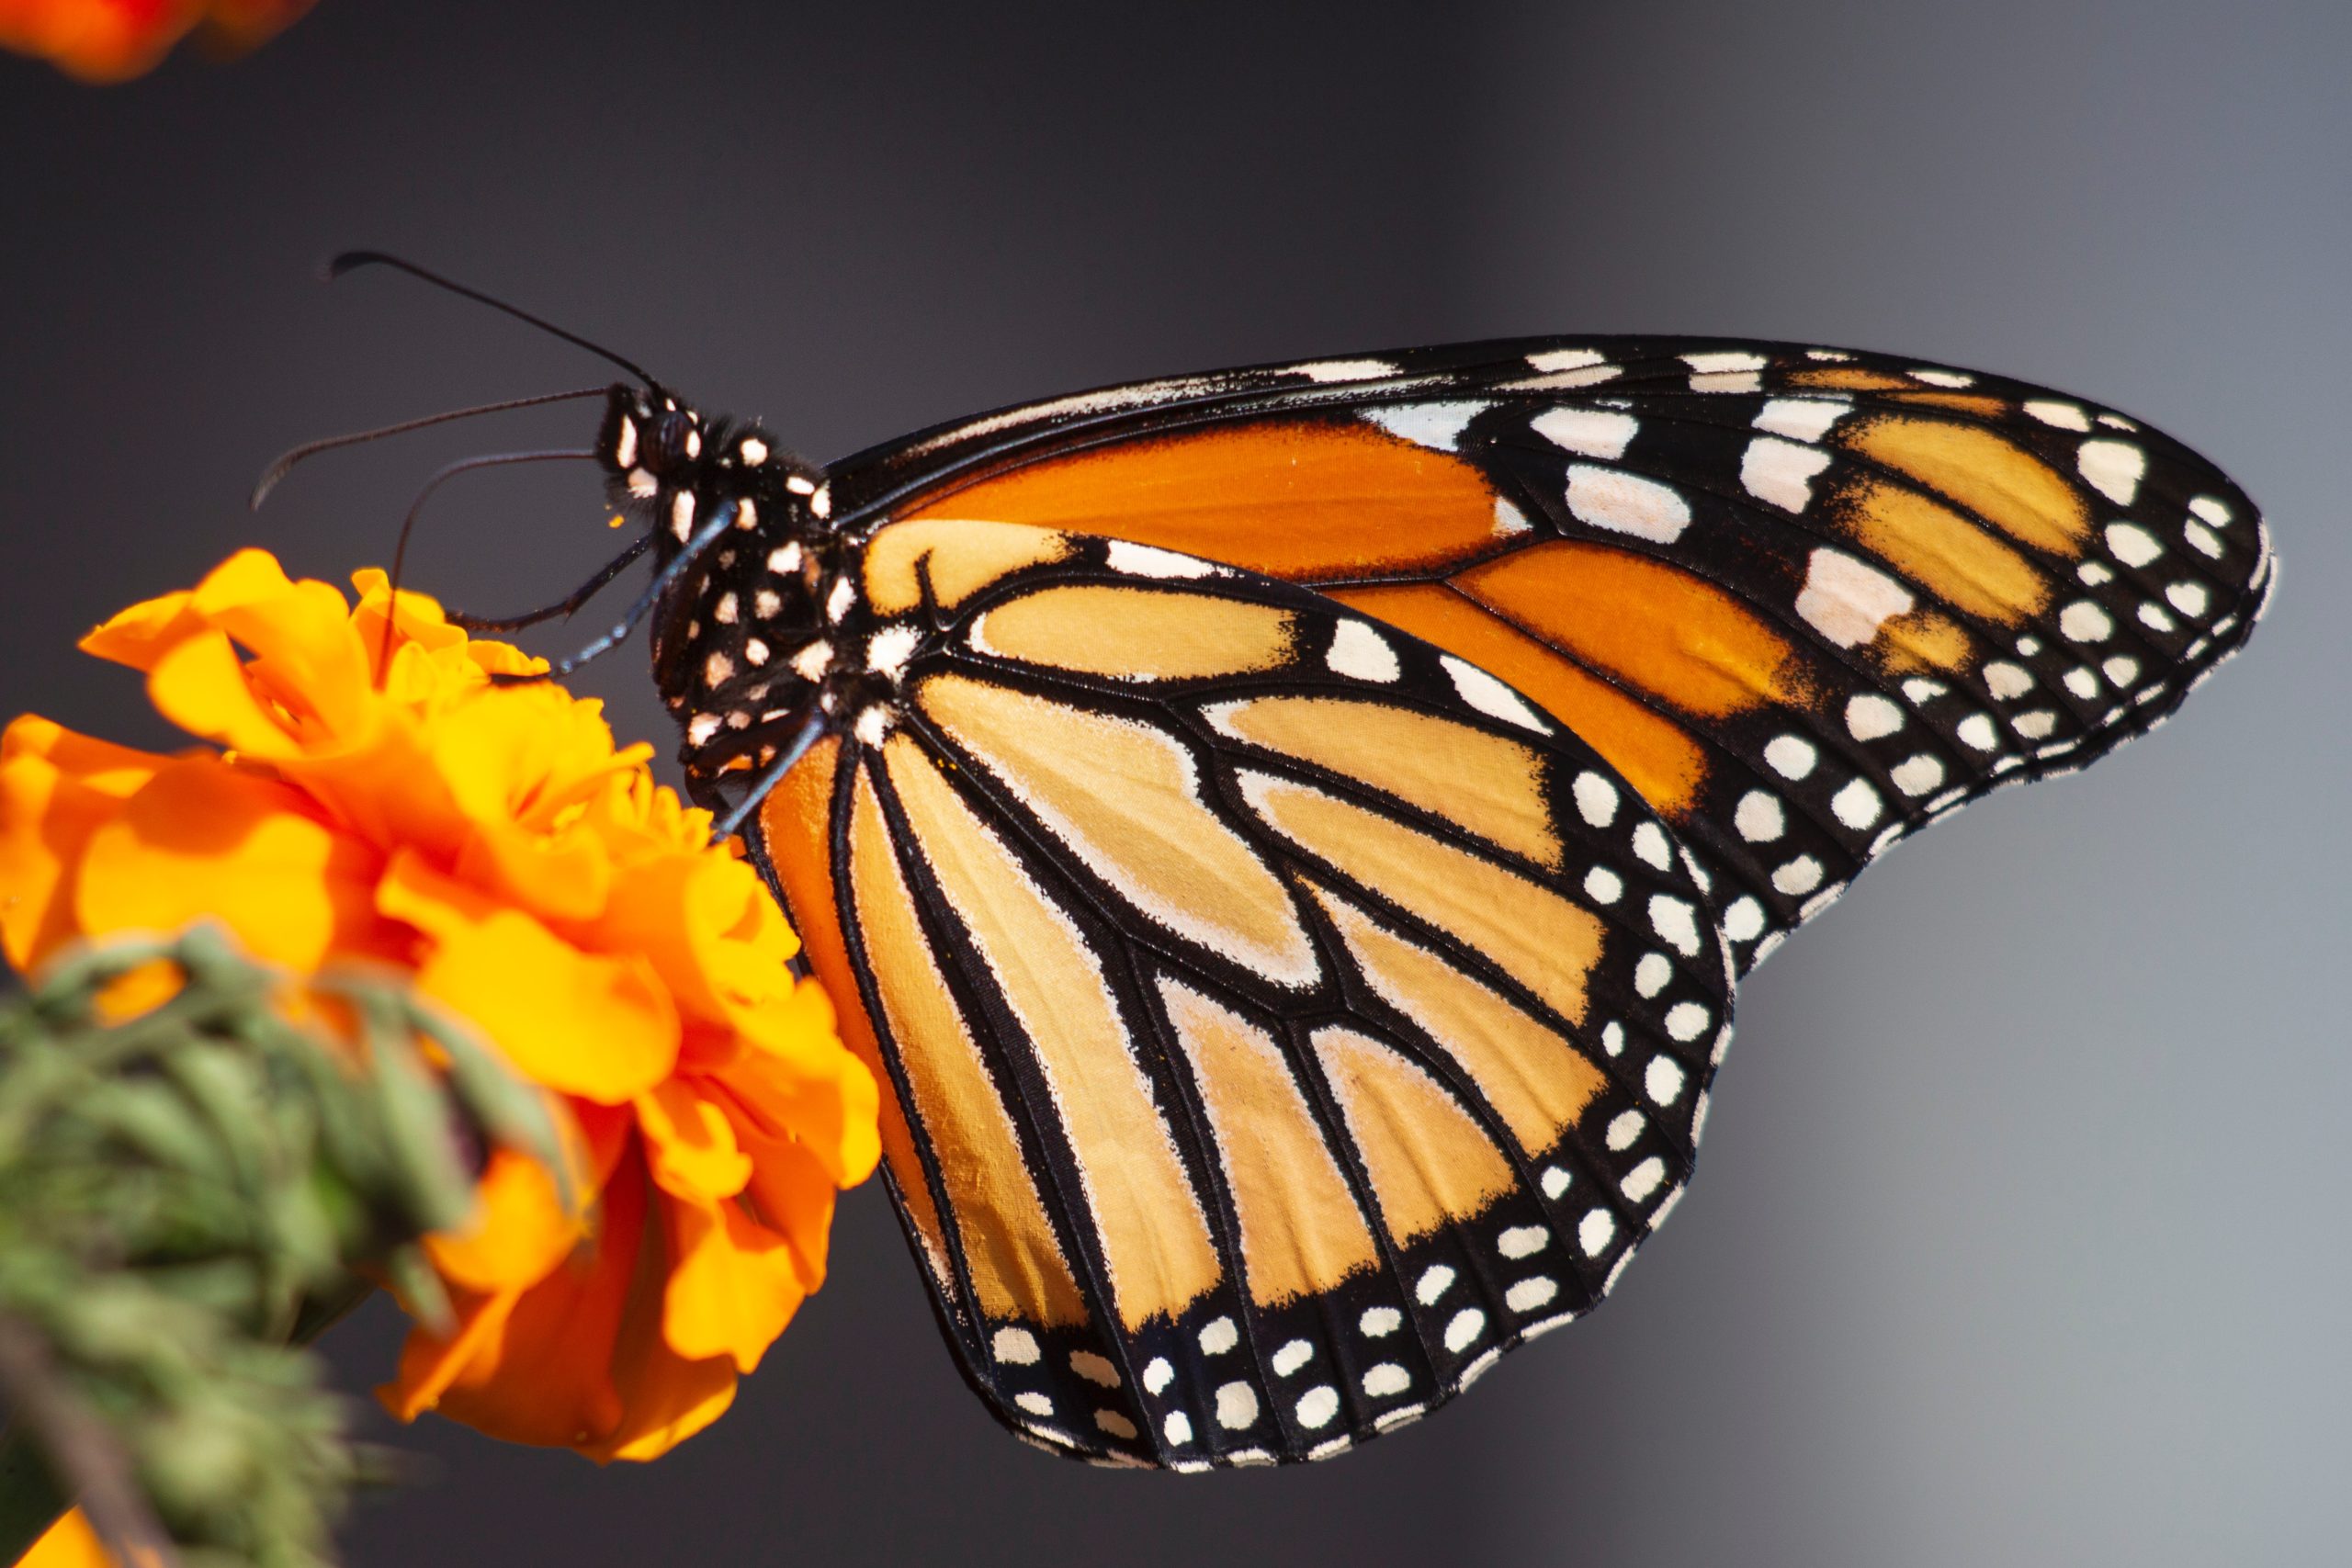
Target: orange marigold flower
{"type": "Point", "coordinates": [536, 881]}
{"type": "Point", "coordinates": [113, 40]}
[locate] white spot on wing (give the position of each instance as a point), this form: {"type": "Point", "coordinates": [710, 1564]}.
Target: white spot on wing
{"type": "Point", "coordinates": [1596, 799]}
{"type": "Point", "coordinates": [1626, 503]}
{"type": "Point", "coordinates": [1590, 432]}
{"type": "Point", "coordinates": [1015, 1345]}
{"type": "Point", "coordinates": [1236, 1403]}
{"type": "Point", "coordinates": [1437, 426]}
{"type": "Point", "coordinates": [1144, 560]}
{"type": "Point", "coordinates": [2061, 416]}
{"type": "Point", "coordinates": [1292, 1357]}
{"type": "Point", "coordinates": [1801, 419]}
{"type": "Point", "coordinates": [1566, 359]}
{"type": "Point", "coordinates": [1344, 370]}
{"type": "Point", "coordinates": [1360, 651]}
{"type": "Point", "coordinates": [1491, 696]}
{"type": "Point", "coordinates": [2112, 467]}
{"type": "Point", "coordinates": [1781, 471]}
{"type": "Point", "coordinates": [1846, 601]}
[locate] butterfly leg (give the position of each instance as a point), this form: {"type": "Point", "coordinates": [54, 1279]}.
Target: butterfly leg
{"type": "Point", "coordinates": [720, 521]}
{"type": "Point", "coordinates": [565, 607]}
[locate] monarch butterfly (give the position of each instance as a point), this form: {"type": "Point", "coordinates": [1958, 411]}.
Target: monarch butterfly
{"type": "Point", "coordinates": [1289, 836]}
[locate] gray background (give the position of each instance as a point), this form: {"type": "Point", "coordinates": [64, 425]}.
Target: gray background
{"type": "Point", "coordinates": [2020, 1231]}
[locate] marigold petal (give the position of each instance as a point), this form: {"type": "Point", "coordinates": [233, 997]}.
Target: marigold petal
{"type": "Point", "coordinates": [539, 1367]}
{"type": "Point", "coordinates": [793, 1196]}
{"type": "Point", "coordinates": [599, 1027]}
{"type": "Point", "coordinates": [802, 1084]}
{"type": "Point", "coordinates": [199, 683]}
{"type": "Point", "coordinates": [520, 1229]}
{"type": "Point", "coordinates": [139, 635]}
{"type": "Point", "coordinates": [205, 839]}
{"type": "Point", "coordinates": [306, 655]}
{"type": "Point", "coordinates": [734, 1284]}
{"type": "Point", "coordinates": [689, 1144]}
{"type": "Point", "coordinates": [56, 789]}
{"type": "Point", "coordinates": [71, 1542]}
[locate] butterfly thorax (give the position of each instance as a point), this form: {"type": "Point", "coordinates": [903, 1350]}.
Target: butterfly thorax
{"type": "Point", "coordinates": [762, 627]}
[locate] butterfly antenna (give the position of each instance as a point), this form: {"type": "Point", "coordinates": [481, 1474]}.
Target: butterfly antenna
{"type": "Point", "coordinates": [285, 461]}
{"type": "Point", "coordinates": [350, 261]}
{"type": "Point", "coordinates": [408, 527]}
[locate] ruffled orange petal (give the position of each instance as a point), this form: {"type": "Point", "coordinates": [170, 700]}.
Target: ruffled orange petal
{"type": "Point", "coordinates": [520, 1230]}
{"type": "Point", "coordinates": [597, 1026]}
{"type": "Point", "coordinates": [537, 1367]}
{"type": "Point", "coordinates": [69, 1543]}
{"type": "Point", "coordinates": [734, 1284]}
{"type": "Point", "coordinates": [306, 655]}
{"type": "Point", "coordinates": [689, 1144]}
{"type": "Point", "coordinates": [56, 789]}
{"type": "Point", "coordinates": [144, 633]}
{"type": "Point", "coordinates": [798, 1085]}
{"type": "Point", "coordinates": [199, 684]}
{"type": "Point", "coordinates": [205, 839]}
{"type": "Point", "coordinates": [793, 1196]}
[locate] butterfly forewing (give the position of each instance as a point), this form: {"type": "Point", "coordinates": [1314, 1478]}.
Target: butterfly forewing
{"type": "Point", "coordinates": [1804, 600]}
{"type": "Point", "coordinates": [1288, 1016]}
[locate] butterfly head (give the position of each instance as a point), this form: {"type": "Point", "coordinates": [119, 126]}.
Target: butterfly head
{"type": "Point", "coordinates": [742, 640]}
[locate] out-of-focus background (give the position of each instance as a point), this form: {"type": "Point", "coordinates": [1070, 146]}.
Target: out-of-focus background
{"type": "Point", "coordinates": [2021, 1234]}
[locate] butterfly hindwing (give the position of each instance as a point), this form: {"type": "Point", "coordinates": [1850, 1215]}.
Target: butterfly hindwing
{"type": "Point", "coordinates": [1804, 599]}
{"type": "Point", "coordinates": [1289, 1016]}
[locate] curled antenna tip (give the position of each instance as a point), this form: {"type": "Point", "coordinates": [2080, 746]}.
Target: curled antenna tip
{"type": "Point", "coordinates": [350, 261]}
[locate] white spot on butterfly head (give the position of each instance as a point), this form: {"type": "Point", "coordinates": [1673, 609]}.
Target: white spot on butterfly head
{"type": "Point", "coordinates": [682, 514]}
{"type": "Point", "coordinates": [890, 648]}
{"type": "Point", "coordinates": [624, 443]}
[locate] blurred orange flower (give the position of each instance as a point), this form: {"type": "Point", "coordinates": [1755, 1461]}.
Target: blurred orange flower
{"type": "Point", "coordinates": [113, 40]}
{"type": "Point", "coordinates": [535, 880]}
